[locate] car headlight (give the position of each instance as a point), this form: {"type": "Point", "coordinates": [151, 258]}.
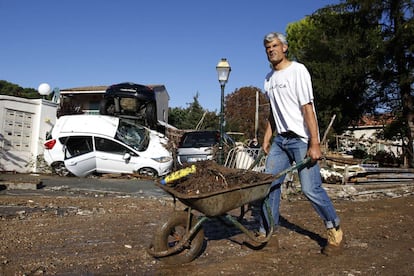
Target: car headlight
{"type": "Point", "coordinates": [162, 159]}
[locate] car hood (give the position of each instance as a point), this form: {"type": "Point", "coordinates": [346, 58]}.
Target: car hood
{"type": "Point", "coordinates": [157, 146]}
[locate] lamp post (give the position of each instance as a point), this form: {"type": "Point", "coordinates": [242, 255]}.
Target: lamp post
{"type": "Point", "coordinates": [223, 70]}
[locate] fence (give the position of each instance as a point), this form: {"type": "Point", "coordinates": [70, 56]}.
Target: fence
{"type": "Point", "coordinates": [241, 157]}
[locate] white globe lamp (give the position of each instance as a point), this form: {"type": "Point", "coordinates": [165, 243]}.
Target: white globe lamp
{"type": "Point", "coordinates": [44, 89]}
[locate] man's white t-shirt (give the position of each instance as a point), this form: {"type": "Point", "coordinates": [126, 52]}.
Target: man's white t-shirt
{"type": "Point", "coordinates": [288, 90]}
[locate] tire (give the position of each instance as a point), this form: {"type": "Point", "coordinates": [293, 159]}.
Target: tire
{"type": "Point", "coordinates": [60, 169]}
{"type": "Point", "coordinates": [171, 232]}
{"type": "Point", "coordinates": [148, 172]}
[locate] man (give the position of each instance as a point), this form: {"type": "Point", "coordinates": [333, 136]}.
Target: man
{"type": "Point", "coordinates": [289, 90]}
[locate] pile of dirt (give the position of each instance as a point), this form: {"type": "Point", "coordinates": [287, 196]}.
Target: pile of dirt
{"type": "Point", "coordinates": [210, 177]}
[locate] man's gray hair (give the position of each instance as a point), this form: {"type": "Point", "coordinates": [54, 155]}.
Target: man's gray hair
{"type": "Point", "coordinates": [272, 36]}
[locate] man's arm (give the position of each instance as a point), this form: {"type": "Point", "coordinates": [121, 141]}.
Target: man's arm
{"type": "Point", "coordinates": [314, 150]}
{"type": "Point", "coordinates": [270, 128]}
{"type": "Point", "coordinates": [267, 136]}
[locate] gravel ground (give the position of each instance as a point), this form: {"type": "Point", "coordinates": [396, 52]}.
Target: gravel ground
{"type": "Point", "coordinates": [108, 234]}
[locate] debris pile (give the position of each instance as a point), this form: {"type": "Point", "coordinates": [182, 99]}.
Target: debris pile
{"type": "Point", "coordinates": [330, 176]}
{"type": "Point", "coordinates": [211, 177]}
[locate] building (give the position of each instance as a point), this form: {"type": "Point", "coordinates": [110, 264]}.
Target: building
{"type": "Point", "coordinates": [23, 127]}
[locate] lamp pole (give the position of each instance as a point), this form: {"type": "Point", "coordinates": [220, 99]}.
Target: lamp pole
{"type": "Point", "coordinates": [223, 70]}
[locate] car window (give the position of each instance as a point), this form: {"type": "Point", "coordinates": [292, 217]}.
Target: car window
{"type": "Point", "coordinates": [78, 145]}
{"type": "Point", "coordinates": [128, 106]}
{"type": "Point", "coordinates": [134, 136]}
{"type": "Point", "coordinates": [106, 145]}
{"type": "Point", "coordinates": [199, 139]}
{"type": "Point", "coordinates": [64, 139]}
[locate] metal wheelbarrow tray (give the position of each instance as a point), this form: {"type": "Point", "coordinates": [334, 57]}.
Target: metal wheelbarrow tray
{"type": "Point", "coordinates": [219, 202]}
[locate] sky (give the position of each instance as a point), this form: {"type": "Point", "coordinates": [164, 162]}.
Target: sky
{"type": "Point", "coordinates": [176, 43]}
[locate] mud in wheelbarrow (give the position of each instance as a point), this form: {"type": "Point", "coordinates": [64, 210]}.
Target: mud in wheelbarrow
{"type": "Point", "coordinates": [181, 238]}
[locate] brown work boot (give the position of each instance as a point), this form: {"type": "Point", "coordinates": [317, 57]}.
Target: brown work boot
{"type": "Point", "coordinates": [335, 242]}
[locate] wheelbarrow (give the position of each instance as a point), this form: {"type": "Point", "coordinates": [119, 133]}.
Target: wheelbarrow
{"type": "Point", "coordinates": [180, 239]}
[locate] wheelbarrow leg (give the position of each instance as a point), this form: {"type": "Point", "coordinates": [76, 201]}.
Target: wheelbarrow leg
{"type": "Point", "coordinates": [242, 212]}
{"type": "Point", "coordinates": [249, 233]}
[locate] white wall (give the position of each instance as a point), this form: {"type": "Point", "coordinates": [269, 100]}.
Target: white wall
{"type": "Point", "coordinates": [23, 127]}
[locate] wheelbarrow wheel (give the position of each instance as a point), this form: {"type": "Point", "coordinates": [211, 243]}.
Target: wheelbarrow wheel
{"type": "Point", "coordinates": [172, 232]}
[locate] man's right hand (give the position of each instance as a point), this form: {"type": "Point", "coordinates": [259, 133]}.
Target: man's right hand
{"type": "Point", "coordinates": [267, 137]}
{"type": "Point", "coordinates": [266, 147]}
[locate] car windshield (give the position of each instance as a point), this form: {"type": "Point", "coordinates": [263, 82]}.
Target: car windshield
{"type": "Point", "coordinates": [133, 135]}
{"type": "Point", "coordinates": [199, 139]}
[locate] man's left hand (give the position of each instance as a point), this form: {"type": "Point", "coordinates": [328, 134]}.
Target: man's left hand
{"type": "Point", "coordinates": [315, 152]}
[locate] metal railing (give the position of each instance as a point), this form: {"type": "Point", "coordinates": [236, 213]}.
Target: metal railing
{"type": "Point", "coordinates": [242, 157]}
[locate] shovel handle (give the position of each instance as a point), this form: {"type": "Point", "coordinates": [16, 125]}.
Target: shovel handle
{"type": "Point", "coordinates": [294, 167]}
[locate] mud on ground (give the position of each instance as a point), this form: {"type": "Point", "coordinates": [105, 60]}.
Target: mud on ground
{"type": "Point", "coordinates": [103, 234]}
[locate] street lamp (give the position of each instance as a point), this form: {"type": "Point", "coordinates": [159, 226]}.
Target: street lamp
{"type": "Point", "coordinates": [223, 70]}
{"type": "Point", "coordinates": [44, 89]}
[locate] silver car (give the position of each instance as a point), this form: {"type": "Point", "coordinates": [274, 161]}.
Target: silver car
{"type": "Point", "coordinates": [200, 145]}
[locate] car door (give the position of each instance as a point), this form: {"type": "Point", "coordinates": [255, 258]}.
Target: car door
{"type": "Point", "coordinates": [79, 155]}
{"type": "Point", "coordinates": [114, 157]}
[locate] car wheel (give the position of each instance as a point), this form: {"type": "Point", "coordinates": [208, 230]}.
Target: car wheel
{"type": "Point", "coordinates": [60, 169]}
{"type": "Point", "coordinates": [147, 172]}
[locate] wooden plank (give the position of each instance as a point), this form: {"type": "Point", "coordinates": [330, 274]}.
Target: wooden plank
{"type": "Point", "coordinates": [387, 170]}
{"type": "Point", "coordinates": [360, 180]}
{"type": "Point", "coordinates": [391, 175]}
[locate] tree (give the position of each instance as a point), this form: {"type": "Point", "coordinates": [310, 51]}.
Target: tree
{"type": "Point", "coordinates": [193, 117]}
{"type": "Point", "coordinates": [240, 112]}
{"type": "Point", "coordinates": [7, 88]}
{"type": "Point", "coordinates": [360, 54]}
{"type": "Point", "coordinates": [398, 75]}
{"type": "Point", "coordinates": [335, 44]}
{"type": "Point", "coordinates": [176, 116]}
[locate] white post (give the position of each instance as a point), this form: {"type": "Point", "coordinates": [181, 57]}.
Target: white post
{"type": "Point", "coordinates": [256, 119]}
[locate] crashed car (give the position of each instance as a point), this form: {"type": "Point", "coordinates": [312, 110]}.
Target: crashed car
{"type": "Point", "coordinates": [87, 144]}
{"type": "Point", "coordinates": [199, 145]}
{"type": "Point", "coordinates": [130, 101]}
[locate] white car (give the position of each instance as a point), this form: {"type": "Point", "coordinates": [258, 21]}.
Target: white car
{"type": "Point", "coordinates": [86, 144]}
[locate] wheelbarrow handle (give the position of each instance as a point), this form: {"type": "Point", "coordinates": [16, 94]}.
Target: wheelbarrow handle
{"type": "Point", "coordinates": [298, 165]}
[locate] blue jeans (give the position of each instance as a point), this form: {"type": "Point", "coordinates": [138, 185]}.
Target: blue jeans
{"type": "Point", "coordinates": [283, 152]}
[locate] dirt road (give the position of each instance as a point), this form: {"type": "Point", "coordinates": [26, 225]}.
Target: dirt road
{"type": "Point", "coordinates": [108, 234]}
